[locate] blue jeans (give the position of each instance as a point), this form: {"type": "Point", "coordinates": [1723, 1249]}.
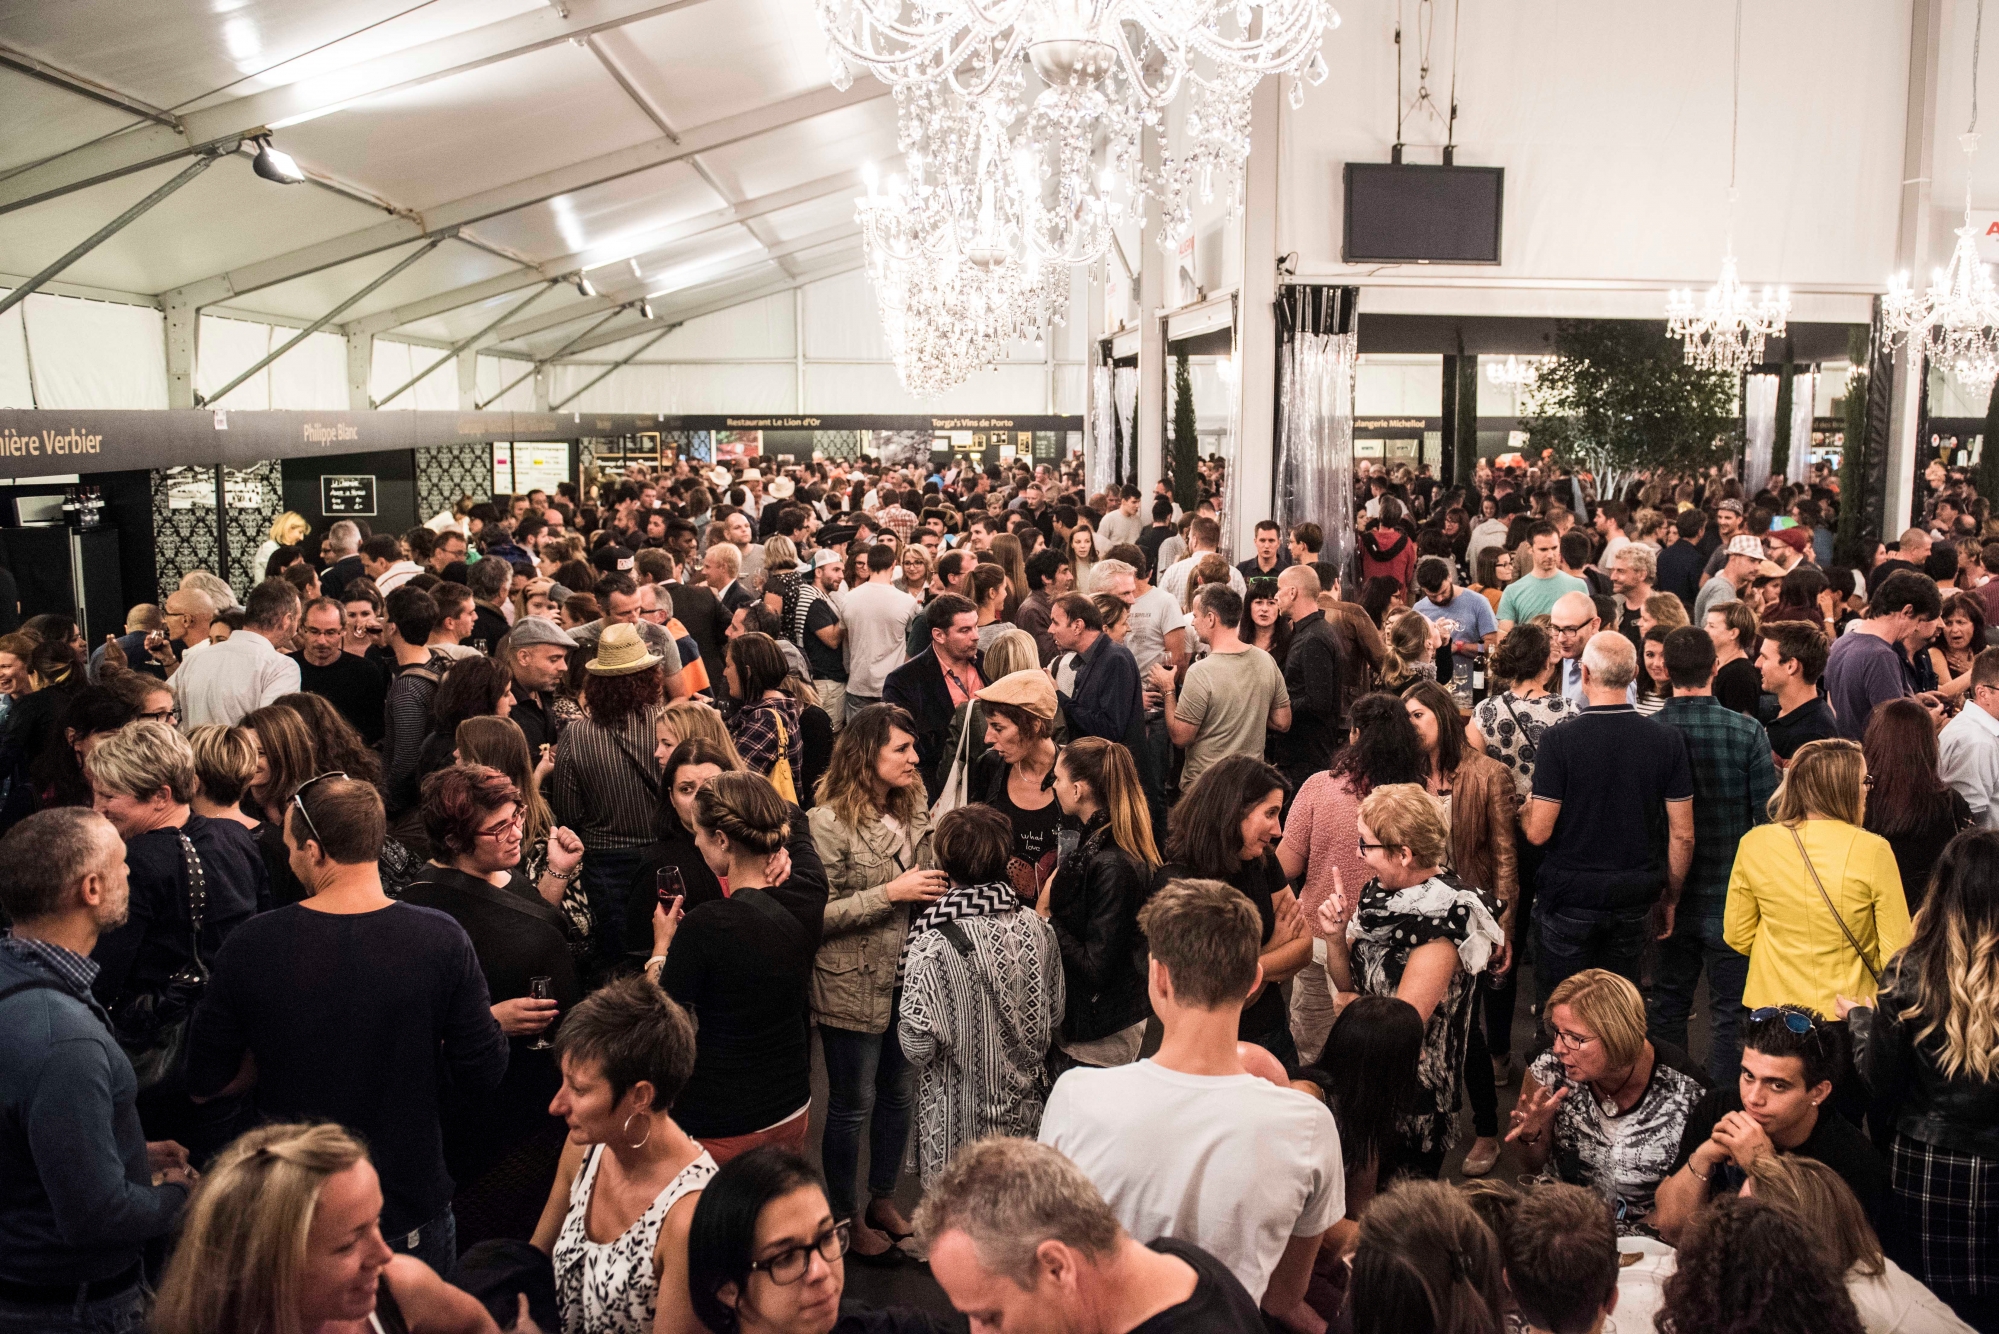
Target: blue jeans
{"type": "Point", "coordinates": [120, 1313]}
{"type": "Point", "coordinates": [865, 1073]}
{"type": "Point", "coordinates": [436, 1243]}
{"type": "Point", "coordinates": [1570, 939]}
{"type": "Point", "coordinates": [607, 876]}
{"type": "Point", "coordinates": [1676, 970]}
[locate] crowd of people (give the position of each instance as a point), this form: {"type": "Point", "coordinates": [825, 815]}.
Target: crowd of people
{"type": "Point", "coordinates": [442, 935]}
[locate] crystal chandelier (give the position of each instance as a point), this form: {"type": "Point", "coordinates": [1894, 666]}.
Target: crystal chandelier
{"type": "Point", "coordinates": [1955, 325]}
{"type": "Point", "coordinates": [1515, 372]}
{"type": "Point", "coordinates": [1725, 332]}
{"type": "Point", "coordinates": [1108, 69]}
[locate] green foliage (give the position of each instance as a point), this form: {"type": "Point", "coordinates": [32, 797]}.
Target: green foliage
{"type": "Point", "coordinates": [1186, 459]}
{"type": "Point", "coordinates": [1780, 445]}
{"type": "Point", "coordinates": [1846, 540]}
{"type": "Point", "coordinates": [1987, 478]}
{"type": "Point", "coordinates": [1620, 397]}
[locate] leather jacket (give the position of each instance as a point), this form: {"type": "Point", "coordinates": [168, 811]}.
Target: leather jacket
{"type": "Point", "coordinates": [1958, 1112]}
{"type": "Point", "coordinates": [1094, 910]}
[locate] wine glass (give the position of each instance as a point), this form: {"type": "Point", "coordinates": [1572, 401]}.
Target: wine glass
{"type": "Point", "coordinates": [541, 988]}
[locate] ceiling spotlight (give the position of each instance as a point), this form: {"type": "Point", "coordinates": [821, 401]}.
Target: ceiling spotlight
{"type": "Point", "coordinates": [635, 267]}
{"type": "Point", "coordinates": [645, 309]}
{"type": "Point", "coordinates": [583, 285]}
{"type": "Point", "coordinates": [275, 164]}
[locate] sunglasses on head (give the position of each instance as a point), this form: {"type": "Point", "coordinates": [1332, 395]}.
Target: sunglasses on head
{"type": "Point", "coordinates": [298, 800]}
{"type": "Point", "coordinates": [1798, 1023]}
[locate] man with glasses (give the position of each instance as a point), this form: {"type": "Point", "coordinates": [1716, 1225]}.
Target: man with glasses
{"type": "Point", "coordinates": [1571, 624]}
{"type": "Point", "coordinates": [188, 615]}
{"type": "Point", "coordinates": [1776, 1105]}
{"type": "Point", "coordinates": [354, 685]}
{"type": "Point", "coordinates": [1968, 746]}
{"type": "Point", "coordinates": [354, 1008]}
{"type": "Point", "coordinates": [1540, 588]}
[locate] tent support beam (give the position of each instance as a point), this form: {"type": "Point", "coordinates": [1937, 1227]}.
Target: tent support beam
{"type": "Point", "coordinates": [451, 353]}
{"type": "Point", "coordinates": [326, 319]}
{"type": "Point", "coordinates": [535, 368]}
{"type": "Point", "coordinates": [106, 232]}
{"type": "Point", "coordinates": [595, 380]}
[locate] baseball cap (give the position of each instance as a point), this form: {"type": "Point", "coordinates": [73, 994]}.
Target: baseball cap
{"type": "Point", "coordinates": [1742, 544]}
{"type": "Point", "coordinates": [1732, 506]}
{"type": "Point", "coordinates": [612, 559]}
{"type": "Point", "coordinates": [825, 558]}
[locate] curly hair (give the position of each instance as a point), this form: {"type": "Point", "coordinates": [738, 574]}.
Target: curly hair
{"type": "Point", "coordinates": [1750, 1267]}
{"type": "Point", "coordinates": [1385, 746]}
{"type": "Point", "coordinates": [612, 699]}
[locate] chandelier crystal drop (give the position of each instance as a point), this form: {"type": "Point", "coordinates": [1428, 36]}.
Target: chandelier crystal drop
{"type": "Point", "coordinates": [1955, 324]}
{"type": "Point", "coordinates": [1725, 332]}
{"type": "Point", "coordinates": [1515, 372]}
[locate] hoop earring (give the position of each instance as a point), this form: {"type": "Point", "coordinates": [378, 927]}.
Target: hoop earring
{"type": "Point", "coordinates": [628, 1130]}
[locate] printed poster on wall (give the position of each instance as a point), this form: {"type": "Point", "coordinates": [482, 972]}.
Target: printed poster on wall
{"type": "Point", "coordinates": [738, 445]}
{"type": "Point", "coordinates": [544, 466]}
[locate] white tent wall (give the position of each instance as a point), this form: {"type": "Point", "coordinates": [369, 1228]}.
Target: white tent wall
{"type": "Point", "coordinates": [17, 388]}
{"type": "Point", "coordinates": [311, 376]}
{"type": "Point", "coordinates": [394, 363]}
{"type": "Point", "coordinates": [95, 354]}
{"type": "Point", "coordinates": [496, 371]}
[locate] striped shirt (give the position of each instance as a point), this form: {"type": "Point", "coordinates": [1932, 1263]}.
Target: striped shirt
{"type": "Point", "coordinates": [606, 783]}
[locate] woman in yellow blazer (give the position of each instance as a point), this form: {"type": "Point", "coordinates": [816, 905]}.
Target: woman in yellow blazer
{"type": "Point", "coordinates": [1798, 952]}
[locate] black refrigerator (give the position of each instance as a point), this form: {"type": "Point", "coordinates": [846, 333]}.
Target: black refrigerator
{"type": "Point", "coordinates": [70, 572]}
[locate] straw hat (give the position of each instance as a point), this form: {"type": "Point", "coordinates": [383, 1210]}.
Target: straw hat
{"type": "Point", "coordinates": [620, 652]}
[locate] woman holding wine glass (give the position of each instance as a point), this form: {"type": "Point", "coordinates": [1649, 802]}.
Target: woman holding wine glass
{"type": "Point", "coordinates": [473, 818]}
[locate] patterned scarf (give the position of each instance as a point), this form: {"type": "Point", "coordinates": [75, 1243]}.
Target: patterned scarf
{"type": "Point", "coordinates": [961, 901]}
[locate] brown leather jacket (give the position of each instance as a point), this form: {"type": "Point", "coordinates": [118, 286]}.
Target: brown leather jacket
{"type": "Point", "coordinates": [1361, 642]}
{"type": "Point", "coordinates": [1484, 801]}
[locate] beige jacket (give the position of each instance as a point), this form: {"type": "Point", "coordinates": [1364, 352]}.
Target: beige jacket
{"type": "Point", "coordinates": [853, 978]}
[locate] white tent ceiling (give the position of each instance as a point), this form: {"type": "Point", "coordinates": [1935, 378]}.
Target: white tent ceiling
{"type": "Point", "coordinates": [700, 141]}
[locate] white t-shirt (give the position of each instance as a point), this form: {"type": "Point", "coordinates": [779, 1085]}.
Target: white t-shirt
{"type": "Point", "coordinates": [1175, 579]}
{"type": "Point", "coordinates": [1154, 615]}
{"type": "Point", "coordinates": [876, 617]}
{"type": "Point", "coordinates": [1232, 1163]}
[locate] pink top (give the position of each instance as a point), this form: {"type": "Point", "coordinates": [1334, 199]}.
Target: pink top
{"type": "Point", "coordinates": [1324, 829]}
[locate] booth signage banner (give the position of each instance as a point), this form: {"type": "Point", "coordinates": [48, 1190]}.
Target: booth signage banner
{"type": "Point", "coordinates": [41, 442]}
{"type": "Point", "coordinates": [345, 497]}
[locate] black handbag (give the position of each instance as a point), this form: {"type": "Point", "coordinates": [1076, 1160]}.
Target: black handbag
{"type": "Point", "coordinates": [152, 1026]}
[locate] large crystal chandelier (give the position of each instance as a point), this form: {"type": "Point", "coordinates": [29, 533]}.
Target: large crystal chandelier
{"type": "Point", "coordinates": [1515, 373]}
{"type": "Point", "coordinates": [1955, 325]}
{"type": "Point", "coordinates": [1725, 332]}
{"type": "Point", "coordinates": [1107, 69]}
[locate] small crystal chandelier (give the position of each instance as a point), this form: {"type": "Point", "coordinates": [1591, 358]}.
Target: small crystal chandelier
{"type": "Point", "coordinates": [1515, 373]}
{"type": "Point", "coordinates": [1955, 324]}
{"type": "Point", "coordinates": [1725, 332]}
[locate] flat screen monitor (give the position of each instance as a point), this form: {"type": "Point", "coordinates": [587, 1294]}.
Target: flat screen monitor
{"type": "Point", "coordinates": [1405, 213]}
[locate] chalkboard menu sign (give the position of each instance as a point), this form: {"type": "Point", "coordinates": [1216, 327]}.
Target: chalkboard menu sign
{"type": "Point", "coordinates": [345, 496]}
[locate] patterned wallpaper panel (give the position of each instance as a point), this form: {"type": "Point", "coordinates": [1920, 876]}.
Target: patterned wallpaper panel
{"type": "Point", "coordinates": [838, 444]}
{"type": "Point", "coordinates": [256, 498]}
{"type": "Point", "coordinates": [183, 522]}
{"type": "Point", "coordinates": [445, 473]}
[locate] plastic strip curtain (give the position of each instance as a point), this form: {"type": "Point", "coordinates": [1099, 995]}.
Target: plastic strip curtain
{"type": "Point", "coordinates": [1759, 421]}
{"type": "Point", "coordinates": [1804, 395]}
{"type": "Point", "coordinates": [1103, 431]}
{"type": "Point", "coordinates": [1316, 355]}
{"type": "Point", "coordinates": [1124, 392]}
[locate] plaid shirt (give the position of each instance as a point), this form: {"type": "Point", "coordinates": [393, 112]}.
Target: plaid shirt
{"type": "Point", "coordinates": [1733, 779]}
{"type": "Point", "coordinates": [897, 519]}
{"type": "Point", "coordinates": [75, 970]}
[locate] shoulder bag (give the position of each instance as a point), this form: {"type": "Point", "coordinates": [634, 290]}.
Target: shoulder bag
{"type": "Point", "coordinates": [152, 1025]}
{"type": "Point", "coordinates": [780, 772]}
{"type": "Point", "coordinates": [1846, 931]}
{"type": "Point", "coordinates": [958, 778]}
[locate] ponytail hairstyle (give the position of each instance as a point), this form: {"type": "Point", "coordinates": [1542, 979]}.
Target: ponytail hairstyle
{"type": "Point", "coordinates": [1106, 768]}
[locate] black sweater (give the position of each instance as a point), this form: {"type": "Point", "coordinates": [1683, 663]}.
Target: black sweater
{"type": "Point", "coordinates": [364, 1019]}
{"type": "Point", "coordinates": [743, 965]}
{"type": "Point", "coordinates": [137, 958]}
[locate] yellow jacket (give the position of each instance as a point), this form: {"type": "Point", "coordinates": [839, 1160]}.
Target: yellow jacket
{"type": "Point", "coordinates": [1797, 953]}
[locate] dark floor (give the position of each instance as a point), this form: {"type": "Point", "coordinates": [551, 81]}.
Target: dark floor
{"type": "Point", "coordinates": [912, 1286]}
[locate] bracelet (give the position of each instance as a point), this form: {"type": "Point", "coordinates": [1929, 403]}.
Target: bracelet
{"type": "Point", "coordinates": [565, 876]}
{"type": "Point", "coordinates": [655, 965]}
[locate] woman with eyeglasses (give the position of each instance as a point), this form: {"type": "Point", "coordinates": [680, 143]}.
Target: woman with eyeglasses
{"type": "Point", "coordinates": [1607, 1105]}
{"type": "Point", "coordinates": [617, 1219]}
{"type": "Point", "coordinates": [1929, 1050]}
{"type": "Point", "coordinates": [766, 1256]}
{"type": "Point", "coordinates": [1422, 935]}
{"type": "Point", "coordinates": [473, 817]}
{"type": "Point", "coordinates": [1815, 900]}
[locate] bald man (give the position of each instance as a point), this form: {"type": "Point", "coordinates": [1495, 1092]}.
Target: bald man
{"type": "Point", "coordinates": [1315, 676]}
{"type": "Point", "coordinates": [1571, 623]}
